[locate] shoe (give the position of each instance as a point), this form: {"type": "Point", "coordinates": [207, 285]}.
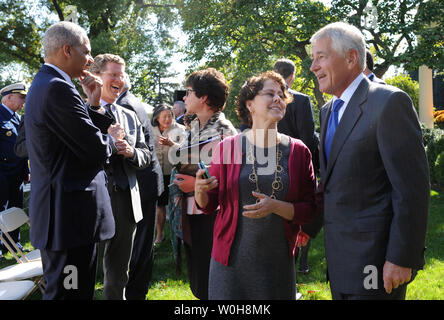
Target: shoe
{"type": "Point", "coordinates": [159, 241]}
{"type": "Point", "coordinates": [303, 271]}
{"type": "Point", "coordinates": [298, 296]}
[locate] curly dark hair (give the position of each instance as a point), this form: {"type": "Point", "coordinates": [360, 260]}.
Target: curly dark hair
{"type": "Point", "coordinates": [251, 88]}
{"type": "Point", "coordinates": [210, 82]}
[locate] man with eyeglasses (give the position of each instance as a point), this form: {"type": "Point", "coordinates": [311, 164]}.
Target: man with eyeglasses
{"type": "Point", "coordinates": [70, 210]}
{"type": "Point", "coordinates": [13, 169]}
{"type": "Point", "coordinates": [130, 154]}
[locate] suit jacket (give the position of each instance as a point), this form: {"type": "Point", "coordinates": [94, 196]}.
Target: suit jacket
{"type": "Point", "coordinates": [142, 157]}
{"type": "Point", "coordinates": [376, 187]}
{"type": "Point", "coordinates": [376, 79]}
{"type": "Point", "coordinates": [150, 179]}
{"type": "Point", "coordinates": [69, 205]}
{"type": "Point", "coordinates": [298, 120]}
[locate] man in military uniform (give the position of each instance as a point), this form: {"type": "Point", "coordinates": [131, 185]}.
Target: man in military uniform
{"type": "Point", "coordinates": [13, 169]}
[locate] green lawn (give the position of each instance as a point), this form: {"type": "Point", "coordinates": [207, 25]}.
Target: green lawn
{"type": "Point", "coordinates": [428, 285]}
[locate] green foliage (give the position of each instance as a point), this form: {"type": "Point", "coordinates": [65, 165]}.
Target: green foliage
{"type": "Point", "coordinates": [406, 32]}
{"type": "Point", "coordinates": [434, 145]}
{"type": "Point", "coordinates": [439, 168]}
{"type": "Point", "coordinates": [409, 86]}
{"type": "Point", "coordinates": [136, 30]}
{"type": "Point", "coordinates": [244, 38]}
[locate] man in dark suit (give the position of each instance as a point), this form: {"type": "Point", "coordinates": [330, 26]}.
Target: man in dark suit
{"type": "Point", "coordinates": [374, 173]}
{"type": "Point", "coordinates": [130, 153]}
{"type": "Point", "coordinates": [13, 169]}
{"type": "Point", "coordinates": [151, 187]}
{"type": "Point", "coordinates": [179, 111]}
{"type": "Point", "coordinates": [69, 209]}
{"type": "Point", "coordinates": [298, 123]}
{"type": "Point", "coordinates": [368, 71]}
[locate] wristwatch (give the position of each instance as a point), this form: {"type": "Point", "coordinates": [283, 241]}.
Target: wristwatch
{"type": "Point", "coordinates": [95, 108]}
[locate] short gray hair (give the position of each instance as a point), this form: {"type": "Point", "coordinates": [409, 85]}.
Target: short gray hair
{"type": "Point", "coordinates": [181, 104]}
{"type": "Point", "coordinates": [62, 33]}
{"type": "Point", "coordinates": [344, 37]}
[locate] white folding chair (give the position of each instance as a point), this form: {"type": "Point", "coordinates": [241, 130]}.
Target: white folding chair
{"type": "Point", "coordinates": [10, 220]}
{"type": "Point", "coordinates": [16, 290]}
{"type": "Point", "coordinates": [28, 266]}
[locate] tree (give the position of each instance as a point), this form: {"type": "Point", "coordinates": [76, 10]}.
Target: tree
{"type": "Point", "coordinates": [405, 33]}
{"type": "Point", "coordinates": [133, 29]}
{"type": "Point", "coordinates": [243, 37]}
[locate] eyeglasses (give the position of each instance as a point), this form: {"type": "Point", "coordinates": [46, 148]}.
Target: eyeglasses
{"type": "Point", "coordinates": [114, 75]}
{"type": "Point", "coordinates": [271, 94]}
{"type": "Point", "coordinates": [189, 90]}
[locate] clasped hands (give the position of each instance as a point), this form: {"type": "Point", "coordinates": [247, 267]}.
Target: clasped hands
{"type": "Point", "coordinates": [165, 141]}
{"type": "Point", "coordinates": [122, 146]}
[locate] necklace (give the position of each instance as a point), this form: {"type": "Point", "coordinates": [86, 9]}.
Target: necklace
{"type": "Point", "coordinates": [253, 177]}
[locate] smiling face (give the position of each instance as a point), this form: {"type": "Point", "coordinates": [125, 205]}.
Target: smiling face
{"type": "Point", "coordinates": [113, 81]}
{"type": "Point", "coordinates": [268, 104]}
{"type": "Point", "coordinates": [334, 71]}
{"type": "Point", "coordinates": [80, 58]}
{"type": "Point", "coordinates": [165, 119]}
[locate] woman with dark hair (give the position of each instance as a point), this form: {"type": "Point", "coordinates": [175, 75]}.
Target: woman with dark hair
{"type": "Point", "coordinates": [207, 92]}
{"type": "Point", "coordinates": [264, 185]}
{"type": "Point", "coordinates": [167, 137]}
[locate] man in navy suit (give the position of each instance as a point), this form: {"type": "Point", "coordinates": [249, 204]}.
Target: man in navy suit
{"type": "Point", "coordinates": [13, 169]}
{"type": "Point", "coordinates": [151, 187]}
{"type": "Point", "coordinates": [374, 173]}
{"type": "Point", "coordinates": [70, 209]}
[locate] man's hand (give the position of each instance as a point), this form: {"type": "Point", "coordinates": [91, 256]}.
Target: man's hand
{"type": "Point", "coordinates": [394, 276]}
{"type": "Point", "coordinates": [124, 148]}
{"type": "Point", "coordinates": [92, 86]}
{"type": "Point", "coordinates": [116, 131]}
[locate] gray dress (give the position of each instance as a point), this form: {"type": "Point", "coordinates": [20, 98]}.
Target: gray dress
{"type": "Point", "coordinates": [259, 266]}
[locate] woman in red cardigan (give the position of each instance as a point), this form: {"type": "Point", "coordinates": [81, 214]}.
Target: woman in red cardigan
{"type": "Point", "coordinates": [264, 186]}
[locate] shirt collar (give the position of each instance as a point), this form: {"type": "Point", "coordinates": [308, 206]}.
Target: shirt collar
{"type": "Point", "coordinates": [104, 103]}
{"type": "Point", "coordinates": [9, 110]}
{"type": "Point", "coordinates": [348, 93]}
{"type": "Point", "coordinates": [62, 73]}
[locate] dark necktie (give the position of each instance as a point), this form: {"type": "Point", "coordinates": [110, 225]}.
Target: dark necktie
{"type": "Point", "coordinates": [371, 77]}
{"type": "Point", "coordinates": [118, 171]}
{"type": "Point", "coordinates": [109, 111]}
{"type": "Point", "coordinates": [331, 126]}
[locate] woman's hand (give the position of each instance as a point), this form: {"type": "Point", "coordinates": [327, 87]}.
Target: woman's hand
{"type": "Point", "coordinates": [165, 141]}
{"type": "Point", "coordinates": [266, 206]}
{"type": "Point", "coordinates": [202, 186]}
{"type": "Point", "coordinates": [184, 182]}
{"type": "Point", "coordinates": [263, 208]}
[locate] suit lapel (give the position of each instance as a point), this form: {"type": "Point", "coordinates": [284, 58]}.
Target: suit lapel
{"type": "Point", "coordinates": [348, 121]}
